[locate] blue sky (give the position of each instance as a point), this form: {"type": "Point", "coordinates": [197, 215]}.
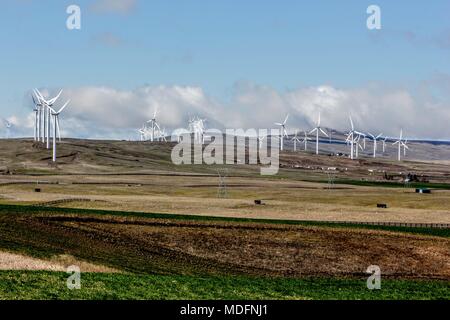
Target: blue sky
{"type": "Point", "coordinates": [225, 47]}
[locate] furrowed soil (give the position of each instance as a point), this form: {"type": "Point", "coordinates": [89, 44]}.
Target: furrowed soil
{"type": "Point", "coordinates": [165, 246]}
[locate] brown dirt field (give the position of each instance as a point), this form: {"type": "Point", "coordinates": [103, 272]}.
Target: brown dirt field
{"type": "Point", "coordinates": [199, 247]}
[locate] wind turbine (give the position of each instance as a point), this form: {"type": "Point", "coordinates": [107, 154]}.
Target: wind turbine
{"type": "Point", "coordinates": [201, 130]}
{"type": "Point", "coordinates": [384, 144]}
{"type": "Point", "coordinates": [8, 128]}
{"type": "Point", "coordinates": [305, 140]}
{"type": "Point", "coordinates": [260, 140]}
{"type": "Point", "coordinates": [142, 133]}
{"type": "Point", "coordinates": [283, 132]}
{"type": "Point", "coordinates": [154, 125]}
{"type": "Point", "coordinates": [358, 145]}
{"type": "Point", "coordinates": [375, 138]}
{"type": "Point", "coordinates": [47, 105]}
{"type": "Point", "coordinates": [400, 145]}
{"type": "Point", "coordinates": [55, 126]}
{"type": "Point", "coordinates": [40, 108]}
{"type": "Point", "coordinates": [351, 138]}
{"type": "Point", "coordinates": [162, 135]}
{"type": "Point", "coordinates": [364, 140]}
{"type": "Point", "coordinates": [295, 139]}
{"type": "Point", "coordinates": [317, 130]}
{"type": "Point", "coordinates": [405, 147]}
{"type": "Point", "coordinates": [37, 108]}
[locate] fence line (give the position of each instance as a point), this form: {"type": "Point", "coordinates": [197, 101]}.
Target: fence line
{"type": "Point", "coordinates": [396, 224]}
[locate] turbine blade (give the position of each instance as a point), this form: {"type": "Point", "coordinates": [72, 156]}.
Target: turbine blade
{"type": "Point", "coordinates": [57, 97]}
{"type": "Point", "coordinates": [38, 93]}
{"type": "Point", "coordinates": [63, 107]}
{"type": "Point", "coordinates": [52, 110]}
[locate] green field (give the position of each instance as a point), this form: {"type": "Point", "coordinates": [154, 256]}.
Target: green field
{"type": "Point", "coordinates": [52, 285]}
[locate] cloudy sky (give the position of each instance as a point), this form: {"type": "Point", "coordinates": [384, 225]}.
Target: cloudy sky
{"type": "Point", "coordinates": [239, 63]}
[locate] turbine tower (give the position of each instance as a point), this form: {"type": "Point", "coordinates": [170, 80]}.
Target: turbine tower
{"type": "Point", "coordinates": [142, 133]}
{"type": "Point", "coordinates": [353, 139]}
{"type": "Point", "coordinates": [8, 128]}
{"type": "Point", "coordinates": [55, 116]}
{"type": "Point", "coordinates": [358, 145]}
{"type": "Point", "coordinates": [375, 138]}
{"type": "Point", "coordinates": [37, 110]}
{"type": "Point", "coordinates": [305, 140]}
{"type": "Point", "coordinates": [295, 139]}
{"type": "Point", "coordinates": [401, 144]}
{"type": "Point", "coordinates": [405, 147]}
{"type": "Point", "coordinates": [154, 126]}
{"type": "Point", "coordinates": [162, 135]}
{"type": "Point", "coordinates": [260, 140]}
{"type": "Point", "coordinates": [317, 130]}
{"type": "Point", "coordinates": [283, 132]}
{"type": "Point", "coordinates": [40, 108]}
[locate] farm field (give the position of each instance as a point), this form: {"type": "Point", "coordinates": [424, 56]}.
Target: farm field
{"type": "Point", "coordinates": [140, 228]}
{"type": "Point", "coordinates": [101, 286]}
{"type": "Point", "coordinates": [185, 251]}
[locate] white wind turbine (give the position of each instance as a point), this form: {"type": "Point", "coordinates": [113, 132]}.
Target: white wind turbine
{"type": "Point", "coordinates": [8, 128]}
{"type": "Point", "coordinates": [283, 132]}
{"type": "Point", "coordinates": [305, 140]}
{"type": "Point", "coordinates": [201, 130]}
{"type": "Point", "coordinates": [405, 147]}
{"type": "Point", "coordinates": [47, 104]}
{"type": "Point", "coordinates": [401, 144]}
{"type": "Point", "coordinates": [364, 140]}
{"type": "Point", "coordinates": [154, 126]}
{"type": "Point", "coordinates": [384, 144]}
{"type": "Point", "coordinates": [162, 135]}
{"type": "Point", "coordinates": [40, 112]}
{"type": "Point", "coordinates": [37, 108]}
{"type": "Point", "coordinates": [142, 133]}
{"type": "Point", "coordinates": [353, 139]}
{"type": "Point", "coordinates": [56, 126]}
{"type": "Point", "coordinates": [375, 138]}
{"type": "Point", "coordinates": [317, 130]}
{"type": "Point", "coordinates": [261, 138]}
{"type": "Point", "coordinates": [356, 138]}
{"type": "Point", "coordinates": [295, 139]}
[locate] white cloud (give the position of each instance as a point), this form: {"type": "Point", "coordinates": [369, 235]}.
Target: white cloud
{"type": "Point", "coordinates": [104, 112]}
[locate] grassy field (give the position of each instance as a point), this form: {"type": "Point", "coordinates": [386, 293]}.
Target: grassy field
{"type": "Point", "coordinates": [52, 285]}
{"type": "Point", "coordinates": [284, 199]}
